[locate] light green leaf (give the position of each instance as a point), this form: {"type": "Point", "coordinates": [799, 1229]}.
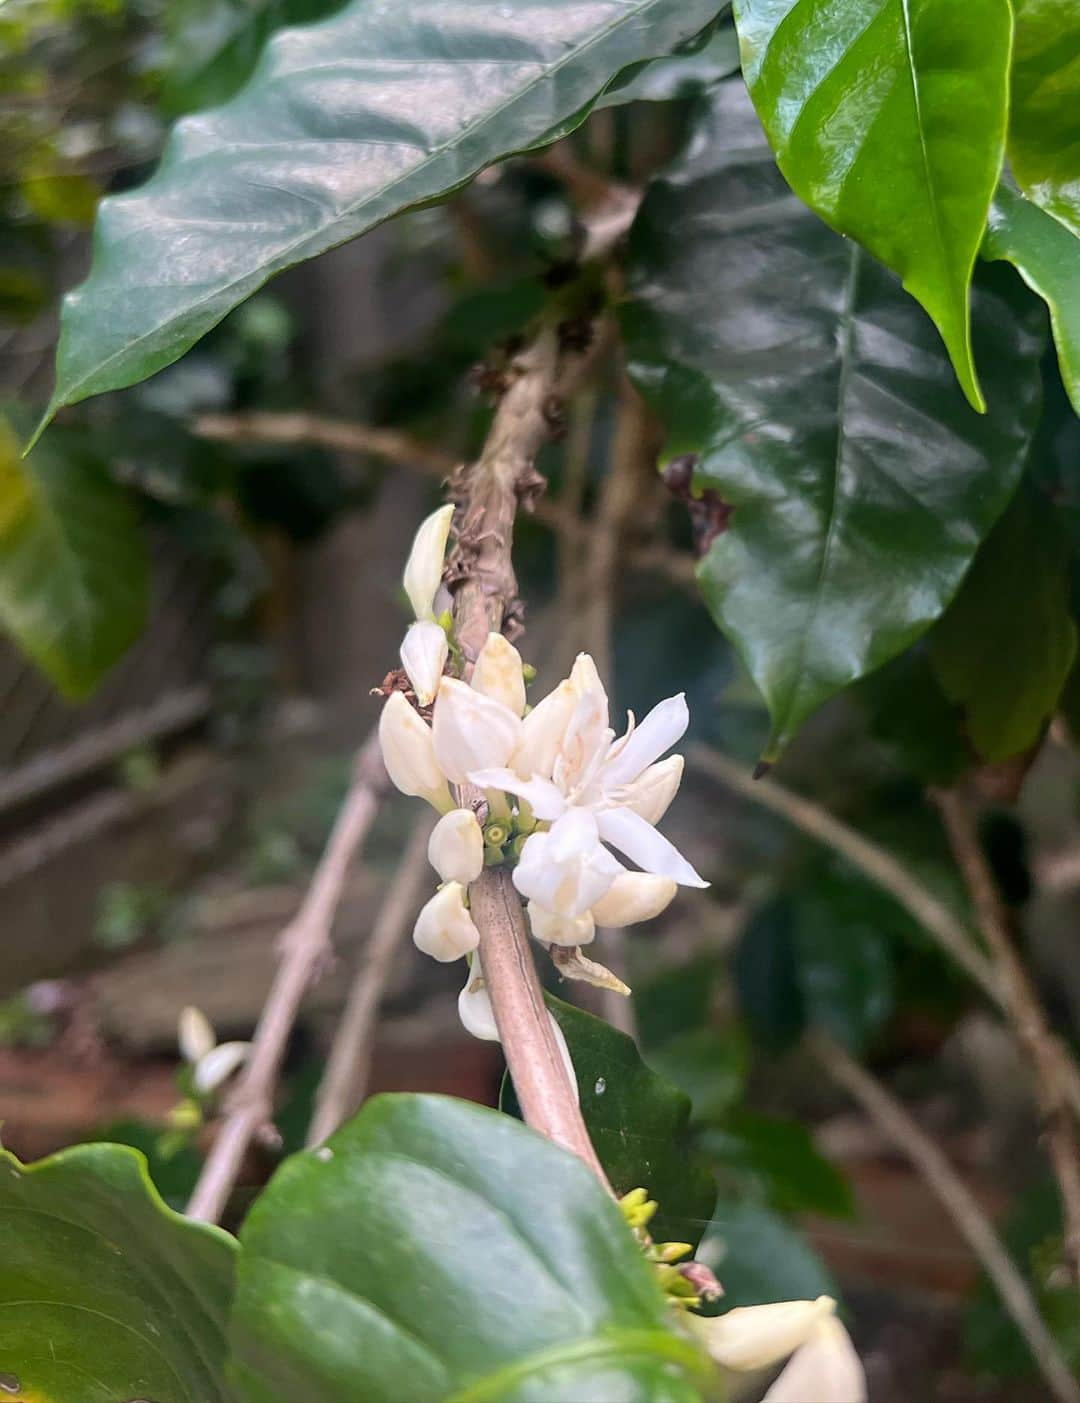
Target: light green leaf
{"type": "Point", "coordinates": [439, 1251]}
{"type": "Point", "coordinates": [1047, 257]}
{"type": "Point", "coordinates": [74, 578]}
{"type": "Point", "coordinates": [105, 1294]}
{"type": "Point", "coordinates": [1044, 125]}
{"type": "Point", "coordinates": [888, 118]}
{"type": "Point", "coordinates": [1004, 647]}
{"type": "Point", "coordinates": [824, 412]}
{"type": "Point", "coordinates": [343, 125]}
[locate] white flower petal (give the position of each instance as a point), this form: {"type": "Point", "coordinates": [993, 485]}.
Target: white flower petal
{"type": "Point", "coordinates": [567, 1060]}
{"type": "Point", "coordinates": [219, 1064]}
{"type": "Point", "coordinates": [552, 929]}
{"type": "Point", "coordinates": [456, 847]}
{"type": "Point", "coordinates": [585, 742]}
{"type": "Point", "coordinates": [664, 725]}
{"type": "Point", "coordinates": [424, 567]}
{"type": "Point", "coordinates": [408, 752]}
{"type": "Point", "coordinates": [474, 1005]}
{"type": "Point", "coordinates": [499, 673]}
{"type": "Point", "coordinates": [542, 732]}
{"type": "Point", "coordinates": [826, 1369]}
{"type": "Point", "coordinates": [543, 797]}
{"type": "Point", "coordinates": [641, 843]}
{"type": "Point", "coordinates": [444, 929]}
{"type": "Point", "coordinates": [650, 795]}
{"type": "Point", "coordinates": [195, 1034]}
{"type": "Point", "coordinates": [753, 1337]}
{"type": "Point", "coordinates": [634, 897]}
{"type": "Point", "coordinates": [471, 731]}
{"type": "Point", "coordinates": [565, 870]}
{"type": "Point", "coordinates": [584, 676]}
{"type": "Point", "coordinates": [423, 656]}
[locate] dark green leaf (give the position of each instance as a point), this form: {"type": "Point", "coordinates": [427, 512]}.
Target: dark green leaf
{"type": "Point", "coordinates": [911, 714]}
{"type": "Point", "coordinates": [780, 1159]}
{"type": "Point", "coordinates": [435, 1250]}
{"type": "Point", "coordinates": [709, 1065]}
{"type": "Point", "coordinates": [343, 125]}
{"type": "Point", "coordinates": [766, 976]}
{"type": "Point", "coordinates": [1004, 647]}
{"type": "Point", "coordinates": [888, 118]}
{"type": "Point", "coordinates": [638, 1122]}
{"type": "Point", "coordinates": [106, 1295]}
{"type": "Point", "coordinates": [824, 412]}
{"type": "Point", "coordinates": [1044, 124]}
{"type": "Point", "coordinates": [680, 75]}
{"type": "Point", "coordinates": [843, 962]}
{"type": "Point", "coordinates": [1047, 257]}
{"type": "Point", "coordinates": [759, 1257]}
{"type": "Point", "coordinates": [73, 568]}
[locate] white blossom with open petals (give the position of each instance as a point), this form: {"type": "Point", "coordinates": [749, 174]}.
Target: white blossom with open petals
{"type": "Point", "coordinates": [566, 869]}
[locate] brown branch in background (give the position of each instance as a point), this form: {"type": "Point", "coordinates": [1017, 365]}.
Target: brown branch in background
{"type": "Point", "coordinates": [961, 1205]}
{"type": "Point", "coordinates": [1051, 1064]}
{"type": "Point", "coordinates": [348, 1068]}
{"type": "Point", "coordinates": [305, 949]}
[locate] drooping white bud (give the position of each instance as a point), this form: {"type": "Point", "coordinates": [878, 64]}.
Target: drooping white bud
{"type": "Point", "coordinates": [499, 673]}
{"type": "Point", "coordinates": [195, 1034]}
{"type": "Point", "coordinates": [423, 656]}
{"type": "Point", "coordinates": [215, 1068]}
{"type": "Point", "coordinates": [552, 929]}
{"type": "Point", "coordinates": [471, 731]}
{"type": "Point", "coordinates": [456, 847]}
{"type": "Point", "coordinates": [424, 567]}
{"type": "Point", "coordinates": [825, 1367]}
{"type": "Point", "coordinates": [408, 752]}
{"type": "Point", "coordinates": [633, 897]}
{"type": "Point", "coordinates": [444, 929]}
{"type": "Point", "coordinates": [753, 1337]}
{"type": "Point", "coordinates": [650, 795]}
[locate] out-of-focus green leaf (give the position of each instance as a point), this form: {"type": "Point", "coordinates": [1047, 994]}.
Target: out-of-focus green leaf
{"type": "Point", "coordinates": [766, 975]}
{"type": "Point", "coordinates": [435, 1250]}
{"type": "Point", "coordinates": [73, 567]}
{"type": "Point", "coordinates": [1047, 256]}
{"type": "Point", "coordinates": [779, 1158]}
{"type": "Point", "coordinates": [638, 1122]}
{"type": "Point", "coordinates": [1044, 126]}
{"type": "Point", "coordinates": [1004, 647]}
{"type": "Point", "coordinates": [911, 715]}
{"type": "Point", "coordinates": [824, 412]}
{"type": "Point", "coordinates": [174, 1173]}
{"type": "Point", "coordinates": [344, 125]}
{"type": "Point", "coordinates": [889, 120]}
{"type": "Point", "coordinates": [759, 1257]}
{"type": "Point", "coordinates": [105, 1294]}
{"type": "Point", "coordinates": [710, 1066]}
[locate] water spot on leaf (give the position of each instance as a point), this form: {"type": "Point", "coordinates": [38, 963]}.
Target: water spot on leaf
{"type": "Point", "coordinates": [601, 1086]}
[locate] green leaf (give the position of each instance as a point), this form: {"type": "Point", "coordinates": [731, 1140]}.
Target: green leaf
{"type": "Point", "coordinates": [779, 1157]}
{"type": "Point", "coordinates": [1044, 124]}
{"type": "Point", "coordinates": [106, 1295]}
{"type": "Point", "coordinates": [1004, 647]}
{"type": "Point", "coordinates": [912, 716]}
{"type": "Point", "coordinates": [824, 411]}
{"type": "Point", "coordinates": [343, 125]}
{"type": "Point", "coordinates": [843, 961]}
{"type": "Point", "coordinates": [74, 578]}
{"type": "Point", "coordinates": [759, 1257]}
{"type": "Point", "coordinates": [638, 1122]}
{"type": "Point", "coordinates": [888, 118]}
{"type": "Point", "coordinates": [680, 75]}
{"type": "Point", "coordinates": [441, 1251]}
{"type": "Point", "coordinates": [1047, 257]}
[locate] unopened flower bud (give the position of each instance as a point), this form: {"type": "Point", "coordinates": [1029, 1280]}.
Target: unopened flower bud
{"type": "Point", "coordinates": [552, 929]}
{"type": "Point", "coordinates": [423, 656]}
{"type": "Point", "coordinates": [650, 795]}
{"type": "Point", "coordinates": [542, 732]}
{"type": "Point", "coordinates": [633, 897]}
{"type": "Point", "coordinates": [471, 731]}
{"type": "Point", "coordinates": [753, 1337]}
{"type": "Point", "coordinates": [408, 752]}
{"type": "Point", "coordinates": [499, 673]}
{"type": "Point", "coordinates": [424, 567]}
{"type": "Point", "coordinates": [444, 929]}
{"type": "Point", "coordinates": [497, 832]}
{"type": "Point", "coordinates": [195, 1034]}
{"type": "Point", "coordinates": [456, 847]}
{"type": "Point", "coordinates": [219, 1064]}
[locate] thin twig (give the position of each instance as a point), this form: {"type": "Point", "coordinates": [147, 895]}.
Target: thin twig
{"type": "Point", "coordinates": [305, 948]}
{"type": "Point", "coordinates": [1049, 1061]}
{"type": "Point", "coordinates": [348, 1068]}
{"type": "Point", "coordinates": [961, 1205]}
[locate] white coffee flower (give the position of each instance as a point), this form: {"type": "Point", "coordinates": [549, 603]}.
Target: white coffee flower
{"type": "Point", "coordinates": [424, 567]}
{"type": "Point", "coordinates": [566, 870]}
{"type": "Point", "coordinates": [552, 929]}
{"type": "Point", "coordinates": [470, 730]}
{"type": "Point", "coordinates": [444, 929]}
{"type": "Point", "coordinates": [499, 673]}
{"type": "Point", "coordinates": [634, 897]}
{"type": "Point", "coordinates": [456, 847]}
{"type": "Point", "coordinates": [423, 656]}
{"type": "Point", "coordinates": [408, 752]}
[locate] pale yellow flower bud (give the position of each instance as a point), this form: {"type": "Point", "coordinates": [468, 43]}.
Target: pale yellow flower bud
{"type": "Point", "coordinates": [424, 567]}
{"type": "Point", "coordinates": [456, 847]}
{"type": "Point", "coordinates": [423, 656]}
{"type": "Point", "coordinates": [408, 753]}
{"type": "Point", "coordinates": [499, 673]}
{"type": "Point", "coordinates": [444, 929]}
{"type": "Point", "coordinates": [634, 897]}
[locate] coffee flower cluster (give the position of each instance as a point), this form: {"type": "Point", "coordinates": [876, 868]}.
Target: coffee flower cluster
{"type": "Point", "coordinates": [560, 790]}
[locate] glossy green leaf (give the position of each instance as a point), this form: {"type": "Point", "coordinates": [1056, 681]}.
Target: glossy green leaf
{"type": "Point", "coordinates": [439, 1251]}
{"type": "Point", "coordinates": [105, 1294]}
{"type": "Point", "coordinates": [759, 1257]}
{"type": "Point", "coordinates": [1004, 647]}
{"type": "Point", "coordinates": [1047, 257]}
{"type": "Point", "coordinates": [779, 1159]}
{"type": "Point", "coordinates": [343, 125]}
{"type": "Point", "coordinates": [638, 1122]}
{"type": "Point", "coordinates": [679, 75]}
{"type": "Point", "coordinates": [824, 411]}
{"type": "Point", "coordinates": [911, 715]}
{"type": "Point", "coordinates": [1044, 124]}
{"type": "Point", "coordinates": [888, 118]}
{"type": "Point", "coordinates": [73, 567]}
